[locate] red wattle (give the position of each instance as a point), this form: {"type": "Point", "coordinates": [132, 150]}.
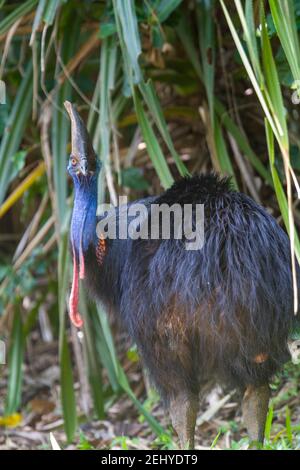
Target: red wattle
{"type": "Point", "coordinates": [74, 296]}
{"type": "Point", "coordinates": [81, 266]}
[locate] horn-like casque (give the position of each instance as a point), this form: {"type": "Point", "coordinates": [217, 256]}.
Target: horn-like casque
{"type": "Point", "coordinates": [82, 147]}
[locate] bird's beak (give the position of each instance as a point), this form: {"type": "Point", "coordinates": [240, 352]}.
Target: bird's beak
{"type": "Point", "coordinates": [82, 147]}
{"type": "Point", "coordinates": [84, 167]}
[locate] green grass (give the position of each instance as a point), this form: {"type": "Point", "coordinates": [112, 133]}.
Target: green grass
{"type": "Point", "coordinates": [136, 70]}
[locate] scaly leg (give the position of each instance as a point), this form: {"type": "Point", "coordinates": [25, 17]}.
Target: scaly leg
{"type": "Point", "coordinates": [255, 409]}
{"type": "Point", "coordinates": [183, 411]}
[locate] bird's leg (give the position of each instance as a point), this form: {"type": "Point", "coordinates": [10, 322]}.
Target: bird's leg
{"type": "Point", "coordinates": [255, 409]}
{"type": "Point", "coordinates": [183, 411]}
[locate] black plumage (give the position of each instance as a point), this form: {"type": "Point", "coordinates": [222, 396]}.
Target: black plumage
{"type": "Point", "coordinates": [219, 314]}
{"type": "Point", "coordinates": [201, 314]}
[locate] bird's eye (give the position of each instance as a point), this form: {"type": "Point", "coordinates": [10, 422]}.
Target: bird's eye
{"type": "Point", "coordinates": [73, 161]}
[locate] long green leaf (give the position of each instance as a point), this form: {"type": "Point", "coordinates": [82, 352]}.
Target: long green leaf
{"type": "Point", "coordinates": [248, 66]}
{"type": "Point", "coordinates": [14, 129]}
{"type": "Point", "coordinates": [251, 36]}
{"type": "Point", "coordinates": [50, 10]}
{"type": "Point", "coordinates": [102, 344]}
{"type": "Point", "coordinates": [66, 374]}
{"type": "Point", "coordinates": [155, 109]}
{"type": "Point", "coordinates": [37, 18]}
{"type": "Point", "coordinates": [102, 135]}
{"type": "Point", "coordinates": [223, 156]}
{"type": "Point", "coordinates": [280, 194]}
{"type": "Point", "coordinates": [205, 20]}
{"type": "Point", "coordinates": [16, 14]}
{"type": "Point", "coordinates": [153, 146]}
{"type": "Point", "coordinates": [288, 426]}
{"type": "Point", "coordinates": [94, 369]}
{"type": "Point", "coordinates": [67, 389]}
{"type": "Point", "coordinates": [272, 82]}
{"type": "Point", "coordinates": [269, 421]}
{"type": "Point", "coordinates": [247, 21]}
{"type": "Point", "coordinates": [185, 34]}
{"type": "Point", "coordinates": [164, 8]}
{"type": "Point", "coordinates": [285, 22]}
{"type": "Point", "coordinates": [125, 10]}
{"type": "Point", "coordinates": [60, 129]}
{"type": "Point", "coordinates": [121, 376]}
{"type": "Point", "coordinates": [15, 362]}
{"type": "Point", "coordinates": [46, 10]}
{"type": "Point", "coordinates": [242, 142]}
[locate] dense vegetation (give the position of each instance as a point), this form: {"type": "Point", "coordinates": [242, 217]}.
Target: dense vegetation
{"type": "Point", "coordinates": [167, 88]}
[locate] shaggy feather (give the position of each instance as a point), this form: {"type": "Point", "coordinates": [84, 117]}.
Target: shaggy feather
{"type": "Point", "coordinates": [202, 315]}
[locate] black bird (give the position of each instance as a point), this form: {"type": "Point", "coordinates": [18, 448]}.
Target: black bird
{"type": "Point", "coordinates": [219, 314]}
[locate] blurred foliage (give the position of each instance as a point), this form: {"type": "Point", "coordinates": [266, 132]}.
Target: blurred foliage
{"type": "Point", "coordinates": [168, 88]}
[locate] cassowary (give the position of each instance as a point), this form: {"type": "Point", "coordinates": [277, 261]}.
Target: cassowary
{"type": "Point", "coordinates": [219, 314]}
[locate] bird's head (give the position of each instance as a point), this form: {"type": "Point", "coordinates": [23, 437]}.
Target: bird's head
{"type": "Point", "coordinates": [83, 163]}
{"type": "Point", "coordinates": [83, 167]}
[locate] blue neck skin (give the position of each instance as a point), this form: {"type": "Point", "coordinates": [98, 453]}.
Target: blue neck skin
{"type": "Point", "coordinates": [83, 225]}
